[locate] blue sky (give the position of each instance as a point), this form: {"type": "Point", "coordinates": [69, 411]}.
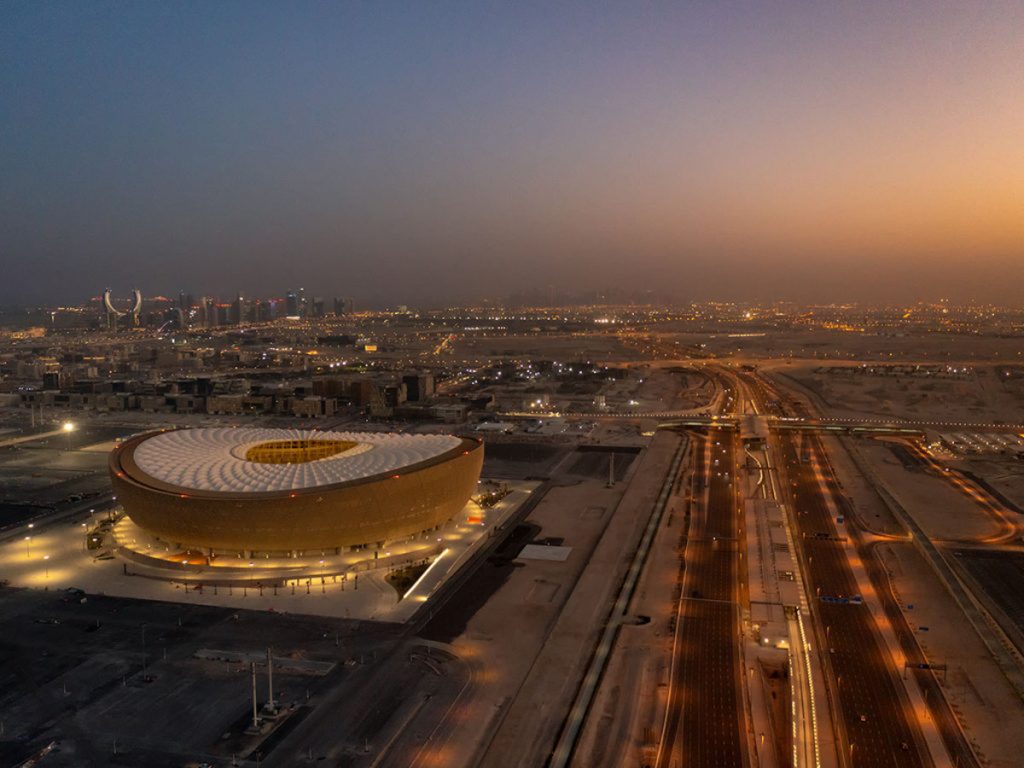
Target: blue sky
{"type": "Point", "coordinates": [427, 152]}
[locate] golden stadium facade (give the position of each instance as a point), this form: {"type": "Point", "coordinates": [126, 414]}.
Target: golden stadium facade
{"type": "Point", "coordinates": [279, 490]}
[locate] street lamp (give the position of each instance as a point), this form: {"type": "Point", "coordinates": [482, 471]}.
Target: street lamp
{"type": "Point", "coordinates": [28, 546]}
{"type": "Point", "coordinates": [68, 427]}
{"type": "Point", "coordinates": [46, 560]}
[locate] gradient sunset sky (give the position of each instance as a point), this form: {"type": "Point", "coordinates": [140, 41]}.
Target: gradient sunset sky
{"type": "Point", "coordinates": [424, 152]}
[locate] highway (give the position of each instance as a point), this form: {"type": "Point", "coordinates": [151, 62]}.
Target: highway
{"type": "Point", "coordinates": [952, 735]}
{"type": "Point", "coordinates": [877, 726]}
{"type": "Point", "coordinates": [807, 747]}
{"type": "Point", "coordinates": [861, 667]}
{"type": "Point", "coordinates": [703, 725]}
{"type": "Point", "coordinates": [878, 723]}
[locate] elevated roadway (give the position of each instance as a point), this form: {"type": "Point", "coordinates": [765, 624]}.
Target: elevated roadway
{"type": "Point", "coordinates": [703, 417]}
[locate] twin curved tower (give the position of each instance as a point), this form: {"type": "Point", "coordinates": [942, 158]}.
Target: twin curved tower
{"type": "Point", "coordinates": [114, 314]}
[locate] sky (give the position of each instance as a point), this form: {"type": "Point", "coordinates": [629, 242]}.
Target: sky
{"type": "Point", "coordinates": [433, 152]}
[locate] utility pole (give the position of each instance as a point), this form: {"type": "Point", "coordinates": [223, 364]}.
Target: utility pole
{"type": "Point", "coordinates": [255, 714]}
{"type": "Point", "coordinates": [270, 683]}
{"type": "Point", "coordinates": [611, 469]}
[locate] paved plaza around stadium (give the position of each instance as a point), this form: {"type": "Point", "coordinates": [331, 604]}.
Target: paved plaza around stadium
{"type": "Point", "coordinates": [56, 558]}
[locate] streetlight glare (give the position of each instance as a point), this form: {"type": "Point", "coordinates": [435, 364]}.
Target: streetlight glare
{"type": "Point", "coordinates": [68, 426]}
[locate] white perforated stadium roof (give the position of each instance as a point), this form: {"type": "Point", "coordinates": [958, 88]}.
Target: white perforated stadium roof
{"type": "Point", "coordinates": [213, 459]}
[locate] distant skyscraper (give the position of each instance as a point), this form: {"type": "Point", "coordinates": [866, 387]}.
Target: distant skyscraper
{"type": "Point", "coordinates": [318, 307]}
{"type": "Point", "coordinates": [177, 317]}
{"type": "Point", "coordinates": [209, 312]}
{"type": "Point", "coordinates": [113, 315]}
{"type": "Point", "coordinates": [261, 311]}
{"type": "Point", "coordinates": [339, 306]}
{"type": "Point", "coordinates": [291, 304]}
{"type": "Point", "coordinates": [238, 310]}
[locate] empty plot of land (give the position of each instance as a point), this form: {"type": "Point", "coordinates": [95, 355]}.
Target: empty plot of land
{"type": "Point", "coordinates": [541, 664]}
{"type": "Point", "coordinates": [939, 508]}
{"type": "Point", "coordinates": [973, 681]}
{"type": "Point", "coordinates": [451, 619]}
{"type": "Point", "coordinates": [850, 390]}
{"type": "Point", "coordinates": [110, 670]}
{"type": "Point", "coordinates": [1001, 575]}
{"type": "Point", "coordinates": [519, 460]}
{"type": "Point", "coordinates": [545, 552]}
{"type": "Point", "coordinates": [596, 463]}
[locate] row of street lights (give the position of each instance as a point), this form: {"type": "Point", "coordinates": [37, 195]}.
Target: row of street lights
{"type": "Point", "coordinates": [28, 552]}
{"type": "Point", "coordinates": [67, 427]}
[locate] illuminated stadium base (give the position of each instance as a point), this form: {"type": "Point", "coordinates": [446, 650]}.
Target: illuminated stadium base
{"type": "Point", "coordinates": [369, 584]}
{"type": "Point", "coordinates": [275, 493]}
{"type": "Point", "coordinates": [144, 553]}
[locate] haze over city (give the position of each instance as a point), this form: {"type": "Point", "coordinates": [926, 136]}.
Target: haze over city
{"type": "Point", "coordinates": [430, 153]}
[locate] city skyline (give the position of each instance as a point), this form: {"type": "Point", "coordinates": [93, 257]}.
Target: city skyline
{"type": "Point", "coordinates": [432, 155]}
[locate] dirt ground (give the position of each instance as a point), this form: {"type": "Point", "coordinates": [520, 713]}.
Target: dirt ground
{"type": "Point", "coordinates": [529, 640]}
{"type": "Point", "coordinates": [974, 684]}
{"type": "Point", "coordinates": [623, 721]}
{"type": "Point", "coordinates": [980, 395]}
{"type": "Point", "coordinates": [942, 511]}
{"type": "Point", "coordinates": [554, 676]}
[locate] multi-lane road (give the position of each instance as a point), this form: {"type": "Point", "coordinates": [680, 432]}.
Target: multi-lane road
{"type": "Point", "coordinates": [704, 718]}
{"type": "Point", "coordinates": [863, 678]}
{"type": "Point", "coordinates": [878, 724]}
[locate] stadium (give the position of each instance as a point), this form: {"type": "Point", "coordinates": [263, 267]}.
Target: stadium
{"type": "Point", "coordinates": [291, 492]}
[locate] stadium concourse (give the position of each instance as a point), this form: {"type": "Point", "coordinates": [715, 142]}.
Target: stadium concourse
{"type": "Point", "coordinates": [314, 522]}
